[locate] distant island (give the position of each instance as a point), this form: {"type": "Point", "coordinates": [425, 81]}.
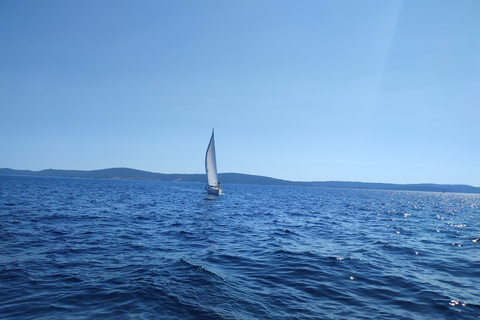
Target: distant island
{"type": "Point", "coordinates": [234, 178]}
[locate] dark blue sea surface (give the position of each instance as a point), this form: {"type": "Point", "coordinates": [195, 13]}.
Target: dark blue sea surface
{"type": "Point", "coordinates": [112, 249]}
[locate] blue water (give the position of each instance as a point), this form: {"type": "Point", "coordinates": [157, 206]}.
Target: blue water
{"type": "Point", "coordinates": [111, 249]}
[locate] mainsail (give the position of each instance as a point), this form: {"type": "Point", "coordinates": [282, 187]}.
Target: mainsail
{"type": "Point", "coordinates": [211, 163]}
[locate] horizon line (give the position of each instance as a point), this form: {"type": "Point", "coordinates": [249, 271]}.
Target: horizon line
{"type": "Point", "coordinates": [254, 175]}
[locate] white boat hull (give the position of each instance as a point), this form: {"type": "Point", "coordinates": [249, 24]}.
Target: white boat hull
{"type": "Point", "coordinates": [214, 190]}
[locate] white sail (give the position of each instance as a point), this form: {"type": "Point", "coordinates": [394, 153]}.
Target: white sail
{"type": "Point", "coordinates": [211, 163]}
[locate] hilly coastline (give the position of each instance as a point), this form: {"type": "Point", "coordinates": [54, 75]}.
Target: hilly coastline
{"type": "Point", "coordinates": [233, 178]}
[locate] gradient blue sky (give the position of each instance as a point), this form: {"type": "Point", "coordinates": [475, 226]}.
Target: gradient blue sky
{"type": "Point", "coordinates": [373, 91]}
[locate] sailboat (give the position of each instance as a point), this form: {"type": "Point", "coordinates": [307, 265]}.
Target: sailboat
{"type": "Point", "coordinates": [213, 185]}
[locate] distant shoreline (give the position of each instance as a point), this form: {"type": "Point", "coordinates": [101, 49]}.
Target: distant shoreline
{"type": "Point", "coordinates": [235, 178]}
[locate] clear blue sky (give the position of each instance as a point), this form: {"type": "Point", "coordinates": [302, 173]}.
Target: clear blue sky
{"type": "Point", "coordinates": [373, 91]}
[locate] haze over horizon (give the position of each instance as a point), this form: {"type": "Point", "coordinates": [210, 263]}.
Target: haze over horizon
{"type": "Point", "coordinates": [370, 91]}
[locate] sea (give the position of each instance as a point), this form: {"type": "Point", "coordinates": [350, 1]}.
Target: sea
{"type": "Point", "coordinates": [123, 249]}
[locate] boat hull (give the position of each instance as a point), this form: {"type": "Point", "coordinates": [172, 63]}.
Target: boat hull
{"type": "Point", "coordinates": [214, 190]}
